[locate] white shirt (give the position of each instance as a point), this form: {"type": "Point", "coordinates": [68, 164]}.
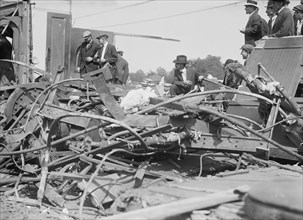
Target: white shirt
{"type": "Point", "coordinates": [103, 50]}
{"type": "Point", "coordinates": [184, 75]}
{"type": "Point", "coordinates": [252, 13]}
{"type": "Point", "coordinates": [281, 9]}
{"type": "Point", "coordinates": [273, 20]}
{"type": "Point", "coordinates": [299, 27]}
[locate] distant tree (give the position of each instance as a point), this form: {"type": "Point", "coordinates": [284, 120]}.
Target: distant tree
{"type": "Point", "coordinates": [210, 65]}
{"type": "Point", "coordinates": [161, 72]}
{"type": "Point", "coordinates": [138, 76]}
{"type": "Point", "coordinates": [157, 76]}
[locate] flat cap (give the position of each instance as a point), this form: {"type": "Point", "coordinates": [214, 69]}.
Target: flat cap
{"type": "Point", "coordinates": [102, 36]}
{"type": "Point", "coordinates": [298, 8]}
{"type": "Point", "coordinates": [86, 34]}
{"type": "Point", "coordinates": [247, 47]}
{"type": "Point", "coordinates": [228, 61]}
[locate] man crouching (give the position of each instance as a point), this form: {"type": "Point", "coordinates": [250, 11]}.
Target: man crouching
{"type": "Point", "coordinates": [180, 84]}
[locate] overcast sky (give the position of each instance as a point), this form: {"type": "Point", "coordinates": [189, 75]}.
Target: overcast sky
{"type": "Point", "coordinates": [203, 27]}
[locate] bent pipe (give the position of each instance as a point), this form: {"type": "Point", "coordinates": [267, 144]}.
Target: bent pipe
{"type": "Point", "coordinates": [210, 111]}
{"type": "Point", "coordinates": [178, 98]}
{"type": "Point", "coordinates": [107, 119]}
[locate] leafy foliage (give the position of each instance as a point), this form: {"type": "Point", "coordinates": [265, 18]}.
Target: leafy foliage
{"type": "Point", "coordinates": [210, 65]}
{"type": "Point", "coordinates": [138, 76]}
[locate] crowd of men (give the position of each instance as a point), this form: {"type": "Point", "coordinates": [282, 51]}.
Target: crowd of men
{"type": "Point", "coordinates": [93, 56]}
{"type": "Point", "coordinates": [282, 21]}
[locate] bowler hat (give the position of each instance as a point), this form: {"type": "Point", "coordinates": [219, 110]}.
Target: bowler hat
{"type": "Point", "coordinates": [269, 4]}
{"type": "Point", "coordinates": [182, 59]}
{"type": "Point", "coordinates": [247, 47]}
{"type": "Point", "coordinates": [86, 34]}
{"type": "Point", "coordinates": [298, 8]}
{"type": "Point", "coordinates": [102, 36]}
{"type": "Point", "coordinates": [251, 3]}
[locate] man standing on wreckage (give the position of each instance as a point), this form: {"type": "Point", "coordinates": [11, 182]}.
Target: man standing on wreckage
{"type": "Point", "coordinates": [259, 85]}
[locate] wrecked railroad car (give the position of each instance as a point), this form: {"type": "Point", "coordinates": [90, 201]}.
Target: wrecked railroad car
{"type": "Point", "coordinates": [71, 139]}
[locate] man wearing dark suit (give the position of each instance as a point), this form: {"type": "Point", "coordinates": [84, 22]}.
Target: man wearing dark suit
{"type": "Point", "coordinates": [87, 50]}
{"type": "Point", "coordinates": [298, 16]}
{"type": "Point", "coordinates": [107, 56]}
{"type": "Point", "coordinates": [284, 23]}
{"type": "Point", "coordinates": [272, 16]}
{"type": "Point", "coordinates": [252, 31]}
{"type": "Point", "coordinates": [7, 75]}
{"type": "Point", "coordinates": [180, 85]}
{"type": "Point", "coordinates": [122, 71]}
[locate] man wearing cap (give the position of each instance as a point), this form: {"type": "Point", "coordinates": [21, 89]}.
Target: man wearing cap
{"type": "Point", "coordinates": [298, 16]}
{"type": "Point", "coordinates": [231, 79]}
{"type": "Point", "coordinates": [252, 31]}
{"type": "Point", "coordinates": [107, 54]}
{"type": "Point", "coordinates": [122, 71]}
{"type": "Point", "coordinates": [86, 53]}
{"type": "Point", "coordinates": [284, 23]}
{"type": "Point", "coordinates": [180, 84]}
{"type": "Point", "coordinates": [272, 16]}
{"type": "Point", "coordinates": [246, 50]}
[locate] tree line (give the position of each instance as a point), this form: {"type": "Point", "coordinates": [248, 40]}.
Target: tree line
{"type": "Point", "coordinates": [209, 65]}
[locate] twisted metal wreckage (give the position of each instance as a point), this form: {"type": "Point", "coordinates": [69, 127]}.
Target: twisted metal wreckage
{"type": "Point", "coordinates": [57, 133]}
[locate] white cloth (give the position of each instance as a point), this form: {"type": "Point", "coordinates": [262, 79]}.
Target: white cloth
{"type": "Point", "coordinates": [137, 98]}
{"type": "Point", "coordinates": [103, 50]}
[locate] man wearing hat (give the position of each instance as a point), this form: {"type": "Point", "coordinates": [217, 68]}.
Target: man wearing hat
{"type": "Point", "coordinates": [87, 51]}
{"type": "Point", "coordinates": [272, 16]}
{"type": "Point", "coordinates": [107, 55]}
{"type": "Point", "coordinates": [122, 71]}
{"type": "Point", "coordinates": [246, 50]}
{"type": "Point", "coordinates": [284, 23]}
{"type": "Point", "coordinates": [252, 31]}
{"type": "Point", "coordinates": [231, 79]}
{"type": "Point", "coordinates": [180, 84]}
{"type": "Point", "coordinates": [298, 16]}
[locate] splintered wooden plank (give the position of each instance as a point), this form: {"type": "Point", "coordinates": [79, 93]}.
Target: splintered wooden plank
{"type": "Point", "coordinates": [107, 98]}
{"type": "Point", "coordinates": [140, 174]}
{"type": "Point", "coordinates": [107, 190]}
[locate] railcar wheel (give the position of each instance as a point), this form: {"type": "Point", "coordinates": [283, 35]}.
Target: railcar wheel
{"type": "Point", "coordinates": [19, 104]}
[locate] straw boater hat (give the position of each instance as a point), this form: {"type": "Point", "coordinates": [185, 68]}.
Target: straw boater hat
{"type": "Point", "coordinates": [182, 59]}
{"type": "Point", "coordinates": [251, 3]}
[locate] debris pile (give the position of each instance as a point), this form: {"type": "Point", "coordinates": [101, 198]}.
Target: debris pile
{"type": "Point", "coordinates": [69, 149]}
